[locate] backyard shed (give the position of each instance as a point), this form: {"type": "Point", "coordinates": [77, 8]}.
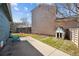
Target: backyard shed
{"type": "Point", "coordinates": [60, 33]}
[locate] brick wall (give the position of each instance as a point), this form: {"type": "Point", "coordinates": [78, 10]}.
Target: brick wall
{"type": "Point", "coordinates": [43, 20]}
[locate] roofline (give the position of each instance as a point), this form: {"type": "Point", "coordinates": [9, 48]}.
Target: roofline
{"type": "Point", "coordinates": [35, 8]}
{"type": "Point", "coordinates": [71, 18]}
{"type": "Point", "coordinates": [5, 7]}
{"type": "Point", "coordinates": [40, 5]}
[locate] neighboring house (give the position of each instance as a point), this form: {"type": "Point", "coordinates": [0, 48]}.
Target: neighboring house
{"type": "Point", "coordinates": [45, 21]}
{"type": "Point", "coordinates": [22, 28]}
{"type": "Point", "coordinates": [5, 20]}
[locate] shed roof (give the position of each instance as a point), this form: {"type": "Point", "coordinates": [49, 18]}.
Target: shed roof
{"type": "Point", "coordinates": [60, 30]}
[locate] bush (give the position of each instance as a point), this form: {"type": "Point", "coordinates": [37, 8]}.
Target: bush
{"type": "Point", "coordinates": [15, 38]}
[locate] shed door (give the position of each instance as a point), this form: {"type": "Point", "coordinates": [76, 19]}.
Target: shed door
{"type": "Point", "coordinates": [67, 34]}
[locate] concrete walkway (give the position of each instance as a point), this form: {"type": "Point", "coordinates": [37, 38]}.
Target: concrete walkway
{"type": "Point", "coordinates": [43, 48]}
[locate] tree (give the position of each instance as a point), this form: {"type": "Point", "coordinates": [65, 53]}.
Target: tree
{"type": "Point", "coordinates": [68, 9]}
{"type": "Point", "coordinates": [25, 21]}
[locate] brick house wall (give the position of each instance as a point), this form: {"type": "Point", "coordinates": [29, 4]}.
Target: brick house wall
{"type": "Point", "coordinates": [43, 20]}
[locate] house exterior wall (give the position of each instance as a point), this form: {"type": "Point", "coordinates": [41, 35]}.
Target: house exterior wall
{"type": "Point", "coordinates": [43, 20]}
{"type": "Point", "coordinates": [4, 27]}
{"type": "Point", "coordinates": [74, 35]}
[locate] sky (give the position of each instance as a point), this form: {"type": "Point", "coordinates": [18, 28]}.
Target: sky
{"type": "Point", "coordinates": [64, 11]}
{"type": "Point", "coordinates": [22, 10]}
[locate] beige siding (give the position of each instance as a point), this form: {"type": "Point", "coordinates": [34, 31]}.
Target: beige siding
{"type": "Point", "coordinates": [75, 35]}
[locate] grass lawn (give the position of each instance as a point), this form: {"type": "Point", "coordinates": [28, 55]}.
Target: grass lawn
{"type": "Point", "coordinates": [64, 45]}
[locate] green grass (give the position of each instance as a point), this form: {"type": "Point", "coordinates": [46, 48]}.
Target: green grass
{"type": "Point", "coordinates": [21, 34]}
{"type": "Point", "coordinates": [55, 43]}
{"type": "Point", "coordinates": [64, 45]}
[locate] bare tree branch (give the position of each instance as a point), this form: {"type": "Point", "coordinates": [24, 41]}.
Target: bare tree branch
{"type": "Point", "coordinates": [25, 22]}
{"type": "Point", "coordinates": [68, 6]}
